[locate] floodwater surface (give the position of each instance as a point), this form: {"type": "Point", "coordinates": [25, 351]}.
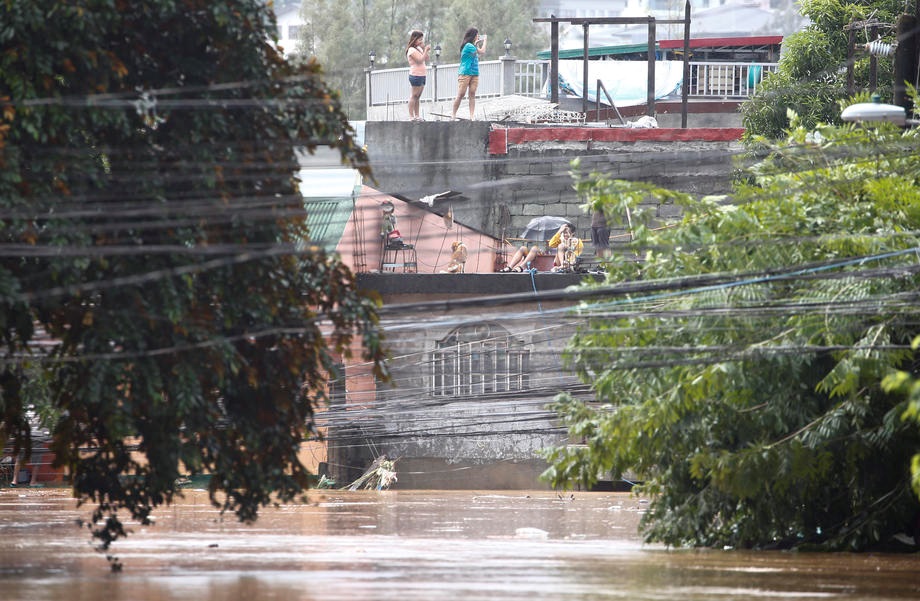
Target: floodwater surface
{"type": "Point", "coordinates": [409, 545]}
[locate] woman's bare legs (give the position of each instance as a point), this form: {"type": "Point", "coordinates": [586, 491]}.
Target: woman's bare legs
{"type": "Point", "coordinates": [474, 85]}
{"type": "Point", "coordinates": [462, 86]}
{"type": "Point", "coordinates": [415, 102]}
{"type": "Point", "coordinates": [522, 257]}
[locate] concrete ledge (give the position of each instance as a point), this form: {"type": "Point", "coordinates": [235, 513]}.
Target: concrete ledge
{"type": "Point", "coordinates": [445, 285]}
{"type": "Point", "coordinates": [500, 140]}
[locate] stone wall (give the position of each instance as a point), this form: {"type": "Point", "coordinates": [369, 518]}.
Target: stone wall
{"type": "Point", "coordinates": [509, 175]}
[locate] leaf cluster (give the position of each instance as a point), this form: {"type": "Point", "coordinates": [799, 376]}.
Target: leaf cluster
{"type": "Point", "coordinates": [753, 408]}
{"type": "Point", "coordinates": [811, 76]}
{"type": "Point", "coordinates": [157, 242]}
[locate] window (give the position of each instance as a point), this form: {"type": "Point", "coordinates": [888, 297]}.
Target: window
{"type": "Point", "coordinates": [479, 359]}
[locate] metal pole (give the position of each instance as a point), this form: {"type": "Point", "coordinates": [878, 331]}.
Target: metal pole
{"type": "Point", "coordinates": [684, 93]}
{"type": "Point", "coordinates": [873, 62]}
{"type": "Point", "coordinates": [370, 97]}
{"type": "Point", "coordinates": [584, 73]}
{"type": "Point", "coordinates": [434, 66]}
{"type": "Point", "coordinates": [650, 97]}
{"type": "Point", "coordinates": [554, 61]}
{"type": "Point", "coordinates": [851, 43]}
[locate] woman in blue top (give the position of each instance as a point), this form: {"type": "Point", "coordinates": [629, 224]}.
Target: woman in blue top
{"type": "Point", "coordinates": [471, 48]}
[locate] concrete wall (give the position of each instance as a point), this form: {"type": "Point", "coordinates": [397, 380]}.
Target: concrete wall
{"type": "Point", "coordinates": [532, 177]}
{"type": "Point", "coordinates": [476, 440]}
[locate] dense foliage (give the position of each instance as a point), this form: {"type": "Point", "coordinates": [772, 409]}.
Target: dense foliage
{"type": "Point", "coordinates": [811, 77]}
{"type": "Point", "coordinates": [156, 246]}
{"type": "Point", "coordinates": [341, 34]}
{"type": "Point", "coordinates": [741, 377]}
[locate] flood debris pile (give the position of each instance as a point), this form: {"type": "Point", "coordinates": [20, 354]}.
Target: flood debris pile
{"type": "Point", "coordinates": [379, 476]}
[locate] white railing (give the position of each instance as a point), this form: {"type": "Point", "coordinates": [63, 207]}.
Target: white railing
{"type": "Point", "coordinates": [727, 80]}
{"type": "Point", "coordinates": [391, 86]}
{"type": "Point", "coordinates": [529, 77]}
{"type": "Point", "coordinates": [707, 80]}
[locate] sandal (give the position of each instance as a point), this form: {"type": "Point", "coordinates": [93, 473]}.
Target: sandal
{"type": "Point", "coordinates": [504, 269]}
{"type": "Point", "coordinates": [518, 269]}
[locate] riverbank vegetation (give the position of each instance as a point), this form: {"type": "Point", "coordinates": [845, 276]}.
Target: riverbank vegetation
{"type": "Point", "coordinates": [811, 77]}
{"type": "Point", "coordinates": [761, 384]}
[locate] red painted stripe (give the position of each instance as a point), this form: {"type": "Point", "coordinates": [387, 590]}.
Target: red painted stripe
{"type": "Point", "coordinates": [498, 141]}
{"type": "Point", "coordinates": [716, 42]}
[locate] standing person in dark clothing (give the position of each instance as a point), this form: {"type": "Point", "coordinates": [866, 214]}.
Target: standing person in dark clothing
{"type": "Point", "coordinates": [600, 234]}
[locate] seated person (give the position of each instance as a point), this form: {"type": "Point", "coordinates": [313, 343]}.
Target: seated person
{"type": "Point", "coordinates": [521, 259]}
{"type": "Point", "coordinates": [568, 248]}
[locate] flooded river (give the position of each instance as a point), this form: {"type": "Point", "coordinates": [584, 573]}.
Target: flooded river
{"type": "Point", "coordinates": [411, 545]}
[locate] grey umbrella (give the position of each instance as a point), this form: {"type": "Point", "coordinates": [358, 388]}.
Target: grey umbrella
{"type": "Point", "coordinates": [542, 228]}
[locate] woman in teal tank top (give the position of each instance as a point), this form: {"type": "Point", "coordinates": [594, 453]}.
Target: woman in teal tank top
{"type": "Point", "coordinates": [471, 48]}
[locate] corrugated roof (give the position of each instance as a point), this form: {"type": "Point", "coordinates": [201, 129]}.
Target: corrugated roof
{"type": "Point", "coordinates": [596, 51]}
{"type": "Point", "coordinates": [326, 218]}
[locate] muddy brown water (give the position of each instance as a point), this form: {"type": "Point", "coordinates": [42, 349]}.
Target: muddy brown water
{"type": "Point", "coordinates": [411, 545]}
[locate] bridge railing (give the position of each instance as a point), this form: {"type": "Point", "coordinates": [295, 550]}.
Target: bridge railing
{"type": "Point", "coordinates": [496, 78]}
{"type": "Point", "coordinates": [387, 87]}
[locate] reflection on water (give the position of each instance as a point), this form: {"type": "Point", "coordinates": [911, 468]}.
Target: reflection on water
{"type": "Point", "coordinates": [411, 545]}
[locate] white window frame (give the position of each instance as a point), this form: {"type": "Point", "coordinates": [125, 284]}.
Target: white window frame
{"type": "Point", "coordinates": [479, 359]}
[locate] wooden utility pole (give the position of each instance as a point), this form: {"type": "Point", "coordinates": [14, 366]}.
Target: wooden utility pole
{"type": "Point", "coordinates": [906, 57]}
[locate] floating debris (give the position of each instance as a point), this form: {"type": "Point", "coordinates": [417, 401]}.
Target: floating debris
{"type": "Point", "coordinates": [379, 476]}
{"type": "Point", "coordinates": [531, 533]}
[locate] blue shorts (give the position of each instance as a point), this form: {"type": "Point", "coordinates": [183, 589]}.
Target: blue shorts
{"type": "Point", "coordinates": [417, 81]}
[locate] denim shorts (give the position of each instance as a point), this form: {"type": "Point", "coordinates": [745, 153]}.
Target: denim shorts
{"type": "Point", "coordinates": [416, 81]}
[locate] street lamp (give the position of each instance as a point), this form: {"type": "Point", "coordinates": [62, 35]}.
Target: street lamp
{"type": "Point", "coordinates": [434, 70]}
{"type": "Point", "coordinates": [507, 46]}
{"type": "Point", "coordinates": [876, 112]}
{"type": "Point", "coordinates": [371, 57]}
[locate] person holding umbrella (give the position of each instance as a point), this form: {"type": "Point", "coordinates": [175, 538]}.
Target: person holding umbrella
{"type": "Point", "coordinates": [568, 248]}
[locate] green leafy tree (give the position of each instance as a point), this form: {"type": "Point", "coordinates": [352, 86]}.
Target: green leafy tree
{"type": "Point", "coordinates": [152, 231]}
{"type": "Point", "coordinates": [498, 20]}
{"type": "Point", "coordinates": [907, 384]}
{"type": "Point", "coordinates": [342, 34]}
{"type": "Point", "coordinates": [811, 76]}
{"type": "Point", "coordinates": [740, 378]}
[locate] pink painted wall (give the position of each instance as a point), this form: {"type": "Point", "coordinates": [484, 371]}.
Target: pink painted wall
{"type": "Point", "coordinates": [360, 246]}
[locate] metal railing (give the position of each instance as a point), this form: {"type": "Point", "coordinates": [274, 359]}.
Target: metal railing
{"type": "Point", "coordinates": [727, 80]}
{"type": "Point", "coordinates": [707, 80]}
{"type": "Point", "coordinates": [391, 86]}
{"type": "Point", "coordinates": [530, 77]}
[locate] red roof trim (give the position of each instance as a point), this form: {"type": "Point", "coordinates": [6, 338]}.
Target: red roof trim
{"type": "Point", "coordinates": [717, 42]}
